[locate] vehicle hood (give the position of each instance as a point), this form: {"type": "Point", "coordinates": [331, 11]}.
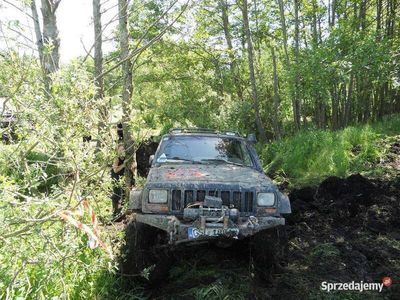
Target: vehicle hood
{"type": "Point", "coordinates": [221, 173]}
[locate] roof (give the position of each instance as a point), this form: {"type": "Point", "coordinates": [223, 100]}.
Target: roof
{"type": "Point", "coordinates": [203, 131]}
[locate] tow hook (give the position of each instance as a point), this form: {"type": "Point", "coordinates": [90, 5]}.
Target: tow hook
{"type": "Point", "coordinates": [172, 229]}
{"type": "Point", "coordinates": [253, 222]}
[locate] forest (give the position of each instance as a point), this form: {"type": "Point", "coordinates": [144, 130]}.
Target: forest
{"type": "Point", "coordinates": [317, 81]}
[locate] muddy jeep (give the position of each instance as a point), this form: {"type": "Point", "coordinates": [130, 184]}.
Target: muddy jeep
{"type": "Point", "coordinates": [204, 186]}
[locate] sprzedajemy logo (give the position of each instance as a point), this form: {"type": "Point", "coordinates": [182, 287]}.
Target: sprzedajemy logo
{"type": "Point", "coordinates": [356, 286]}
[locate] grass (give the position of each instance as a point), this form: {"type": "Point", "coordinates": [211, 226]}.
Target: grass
{"type": "Point", "coordinates": [311, 155]}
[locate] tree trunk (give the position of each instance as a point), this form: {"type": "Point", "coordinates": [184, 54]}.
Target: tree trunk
{"type": "Point", "coordinates": [228, 38]}
{"type": "Point", "coordinates": [347, 105]}
{"type": "Point", "coordinates": [250, 50]}
{"type": "Point", "coordinates": [39, 44]}
{"type": "Point", "coordinates": [276, 112]}
{"type": "Point", "coordinates": [126, 93]}
{"type": "Point", "coordinates": [51, 57]}
{"type": "Point", "coordinates": [363, 14]}
{"type": "Point", "coordinates": [335, 107]}
{"type": "Point", "coordinates": [314, 24]}
{"type": "Point", "coordinates": [98, 65]}
{"type": "Point", "coordinates": [296, 101]}
{"type": "Point", "coordinates": [378, 19]}
{"type": "Point", "coordinates": [333, 13]}
{"type": "Point", "coordinates": [98, 52]}
{"type": "Point", "coordinates": [284, 31]}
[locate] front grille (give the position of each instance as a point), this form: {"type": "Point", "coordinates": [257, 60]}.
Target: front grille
{"type": "Point", "coordinates": [242, 200]}
{"type": "Point", "coordinates": [226, 198]}
{"type": "Point", "coordinates": [189, 197]}
{"type": "Point", "coordinates": [201, 195]}
{"type": "Point", "coordinates": [176, 199]}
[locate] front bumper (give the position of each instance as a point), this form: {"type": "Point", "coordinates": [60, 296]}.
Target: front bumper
{"type": "Point", "coordinates": [205, 228]}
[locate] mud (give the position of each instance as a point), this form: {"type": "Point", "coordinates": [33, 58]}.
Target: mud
{"type": "Point", "coordinates": [343, 230]}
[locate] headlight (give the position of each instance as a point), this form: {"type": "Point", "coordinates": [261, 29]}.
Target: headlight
{"type": "Point", "coordinates": [158, 196]}
{"type": "Point", "coordinates": [265, 199]}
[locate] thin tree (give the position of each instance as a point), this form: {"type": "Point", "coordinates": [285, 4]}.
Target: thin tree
{"type": "Point", "coordinates": [296, 100]}
{"type": "Point", "coordinates": [228, 37]}
{"type": "Point", "coordinates": [276, 113]}
{"type": "Point", "coordinates": [250, 54]}
{"type": "Point", "coordinates": [47, 42]}
{"type": "Point", "coordinates": [127, 89]}
{"type": "Point", "coordinates": [98, 61]}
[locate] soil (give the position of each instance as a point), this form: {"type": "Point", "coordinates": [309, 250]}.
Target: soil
{"type": "Point", "coordinates": [343, 230]}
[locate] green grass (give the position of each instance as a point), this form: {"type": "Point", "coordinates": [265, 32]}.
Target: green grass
{"type": "Point", "coordinates": [309, 156]}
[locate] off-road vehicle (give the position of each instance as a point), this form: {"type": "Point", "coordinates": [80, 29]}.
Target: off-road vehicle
{"type": "Point", "coordinates": [204, 185]}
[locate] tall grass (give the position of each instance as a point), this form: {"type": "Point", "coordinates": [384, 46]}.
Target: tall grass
{"type": "Point", "coordinates": [310, 155]}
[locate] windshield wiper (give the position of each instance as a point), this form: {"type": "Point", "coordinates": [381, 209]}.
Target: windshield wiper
{"type": "Point", "coordinates": [183, 159]}
{"type": "Point", "coordinates": [223, 161]}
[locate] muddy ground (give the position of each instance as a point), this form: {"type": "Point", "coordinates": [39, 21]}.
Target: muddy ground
{"type": "Point", "coordinates": [343, 230]}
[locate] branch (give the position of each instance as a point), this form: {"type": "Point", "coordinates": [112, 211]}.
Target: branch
{"type": "Point", "coordinates": [56, 4]}
{"type": "Point", "coordinates": [18, 8]}
{"type": "Point", "coordinates": [103, 28]}
{"type": "Point", "coordinates": [151, 42]}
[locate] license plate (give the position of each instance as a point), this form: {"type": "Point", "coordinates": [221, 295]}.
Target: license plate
{"type": "Point", "coordinates": [194, 232]}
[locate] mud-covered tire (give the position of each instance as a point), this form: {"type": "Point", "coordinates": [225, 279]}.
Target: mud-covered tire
{"type": "Point", "coordinates": [269, 252]}
{"type": "Point", "coordinates": [142, 257]}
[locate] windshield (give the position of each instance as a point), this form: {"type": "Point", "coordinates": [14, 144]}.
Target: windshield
{"type": "Point", "coordinates": [203, 149]}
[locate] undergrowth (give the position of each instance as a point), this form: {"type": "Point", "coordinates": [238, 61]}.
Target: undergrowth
{"type": "Point", "coordinates": [310, 155]}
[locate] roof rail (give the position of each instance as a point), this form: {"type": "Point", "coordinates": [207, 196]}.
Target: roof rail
{"type": "Point", "coordinates": [202, 130]}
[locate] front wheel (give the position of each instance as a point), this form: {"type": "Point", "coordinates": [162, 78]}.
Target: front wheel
{"type": "Point", "coordinates": [142, 255]}
{"type": "Point", "coordinates": [269, 252]}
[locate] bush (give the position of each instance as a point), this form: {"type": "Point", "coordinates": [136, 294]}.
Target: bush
{"type": "Point", "coordinates": [308, 156]}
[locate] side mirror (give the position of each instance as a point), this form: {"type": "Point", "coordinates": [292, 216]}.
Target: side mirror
{"type": "Point", "coordinates": [251, 138]}
{"type": "Point", "coordinates": [151, 158]}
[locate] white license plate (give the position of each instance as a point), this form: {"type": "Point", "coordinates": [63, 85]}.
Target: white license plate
{"type": "Point", "coordinates": [194, 232]}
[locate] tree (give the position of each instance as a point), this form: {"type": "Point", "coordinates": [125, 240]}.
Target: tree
{"type": "Point", "coordinates": [47, 41]}
{"type": "Point", "coordinates": [231, 51]}
{"type": "Point", "coordinates": [51, 41]}
{"type": "Point", "coordinates": [98, 63]}
{"type": "Point", "coordinates": [127, 88]}
{"type": "Point", "coordinates": [276, 112]}
{"type": "Point", "coordinates": [296, 100]}
{"type": "Point", "coordinates": [98, 52]}
{"type": "Point", "coordinates": [250, 58]}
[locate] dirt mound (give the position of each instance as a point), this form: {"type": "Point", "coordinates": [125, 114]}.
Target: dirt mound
{"type": "Point", "coordinates": [343, 230]}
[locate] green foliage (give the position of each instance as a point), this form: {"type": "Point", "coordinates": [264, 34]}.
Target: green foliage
{"type": "Point", "coordinates": [311, 155]}
{"type": "Point", "coordinates": [49, 169]}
